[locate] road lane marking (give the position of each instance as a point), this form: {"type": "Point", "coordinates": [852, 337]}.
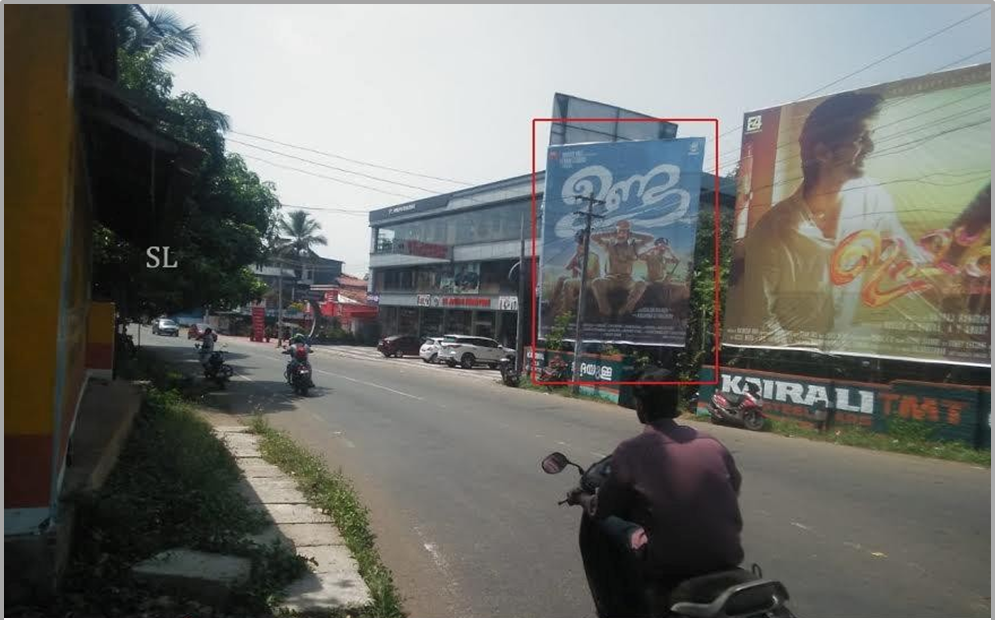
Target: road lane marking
{"type": "Point", "coordinates": [439, 561]}
{"type": "Point", "coordinates": [238, 374]}
{"type": "Point", "coordinates": [598, 455]}
{"type": "Point", "coordinates": [801, 526]}
{"type": "Point", "coordinates": [379, 387]}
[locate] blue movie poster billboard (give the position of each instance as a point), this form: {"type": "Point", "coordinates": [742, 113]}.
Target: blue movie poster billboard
{"type": "Point", "coordinates": [641, 250]}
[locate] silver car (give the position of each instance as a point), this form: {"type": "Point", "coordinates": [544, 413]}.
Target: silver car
{"type": "Point", "coordinates": [470, 351]}
{"type": "Point", "coordinates": [432, 346]}
{"type": "Point", "coordinates": [165, 327]}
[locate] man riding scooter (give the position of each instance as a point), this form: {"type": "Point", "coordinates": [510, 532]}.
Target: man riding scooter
{"type": "Point", "coordinates": [298, 348]}
{"type": "Point", "coordinates": [669, 508]}
{"type": "Point", "coordinates": [207, 340]}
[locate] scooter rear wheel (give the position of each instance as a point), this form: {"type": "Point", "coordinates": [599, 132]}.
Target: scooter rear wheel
{"type": "Point", "coordinates": [753, 421]}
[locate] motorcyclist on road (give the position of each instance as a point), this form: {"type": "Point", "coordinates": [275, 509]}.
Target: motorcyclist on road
{"type": "Point", "coordinates": [670, 505]}
{"type": "Point", "coordinates": [208, 338]}
{"type": "Point", "coordinates": [298, 348]}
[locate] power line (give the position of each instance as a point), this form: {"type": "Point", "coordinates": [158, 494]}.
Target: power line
{"type": "Point", "coordinates": [323, 176]}
{"type": "Point", "coordinates": [336, 168]}
{"type": "Point", "coordinates": [893, 136]}
{"type": "Point", "coordinates": [735, 157]}
{"type": "Point", "coordinates": [330, 209]}
{"type": "Point", "coordinates": [884, 58]}
{"type": "Point", "coordinates": [893, 54]}
{"type": "Point", "coordinates": [355, 161]}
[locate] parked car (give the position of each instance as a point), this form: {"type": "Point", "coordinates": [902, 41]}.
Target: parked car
{"type": "Point", "coordinates": [196, 331]}
{"type": "Point", "coordinates": [470, 351]}
{"type": "Point", "coordinates": [165, 327]}
{"type": "Point", "coordinates": [399, 346]}
{"type": "Point", "coordinates": [431, 346]}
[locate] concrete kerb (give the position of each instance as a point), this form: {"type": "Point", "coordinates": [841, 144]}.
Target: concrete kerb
{"type": "Point", "coordinates": [333, 581]}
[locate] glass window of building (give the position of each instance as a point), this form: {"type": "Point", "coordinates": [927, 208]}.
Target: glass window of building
{"type": "Point", "coordinates": [494, 277]}
{"type": "Point", "coordinates": [407, 321]}
{"type": "Point", "coordinates": [458, 322]}
{"type": "Point", "coordinates": [500, 223]}
{"type": "Point", "coordinates": [484, 324]}
{"type": "Point", "coordinates": [431, 322]}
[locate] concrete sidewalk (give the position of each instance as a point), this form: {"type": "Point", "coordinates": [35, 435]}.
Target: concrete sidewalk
{"type": "Point", "coordinates": [334, 581]}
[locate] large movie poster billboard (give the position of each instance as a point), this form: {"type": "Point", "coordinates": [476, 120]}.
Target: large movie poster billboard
{"type": "Point", "coordinates": [641, 250]}
{"type": "Point", "coordinates": [863, 223]}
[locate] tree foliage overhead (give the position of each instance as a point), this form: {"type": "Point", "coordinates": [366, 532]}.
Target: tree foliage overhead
{"type": "Point", "coordinates": [216, 233]}
{"type": "Point", "coordinates": [701, 335]}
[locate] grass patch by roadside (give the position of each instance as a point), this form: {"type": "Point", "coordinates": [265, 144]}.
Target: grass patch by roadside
{"type": "Point", "coordinates": [904, 436]}
{"type": "Point", "coordinates": [174, 485]}
{"type": "Point", "coordinates": [335, 495]}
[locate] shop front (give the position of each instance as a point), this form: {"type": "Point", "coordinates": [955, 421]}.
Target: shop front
{"type": "Point", "coordinates": [431, 321]}
{"type": "Point", "coordinates": [458, 321]}
{"type": "Point", "coordinates": [407, 321]}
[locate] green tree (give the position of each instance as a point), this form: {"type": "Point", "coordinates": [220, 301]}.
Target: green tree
{"type": "Point", "coordinates": [302, 232]}
{"type": "Point", "coordinates": [557, 334]}
{"type": "Point", "coordinates": [218, 231]}
{"type": "Point", "coordinates": [701, 326]}
{"type": "Point", "coordinates": [161, 38]}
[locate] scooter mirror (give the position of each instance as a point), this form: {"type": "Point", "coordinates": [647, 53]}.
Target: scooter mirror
{"type": "Point", "coordinates": [554, 463]}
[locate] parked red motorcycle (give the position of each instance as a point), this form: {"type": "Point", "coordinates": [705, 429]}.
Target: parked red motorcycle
{"type": "Point", "coordinates": [744, 409]}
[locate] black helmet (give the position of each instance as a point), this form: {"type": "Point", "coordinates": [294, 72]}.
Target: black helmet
{"type": "Point", "coordinates": [656, 401]}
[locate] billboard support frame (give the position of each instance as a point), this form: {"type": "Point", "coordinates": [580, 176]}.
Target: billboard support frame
{"type": "Point", "coordinates": [716, 318]}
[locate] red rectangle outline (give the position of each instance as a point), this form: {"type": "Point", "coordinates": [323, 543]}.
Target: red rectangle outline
{"type": "Point", "coordinates": [716, 270]}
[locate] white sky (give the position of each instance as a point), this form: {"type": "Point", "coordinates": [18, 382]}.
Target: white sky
{"type": "Point", "coordinates": [450, 91]}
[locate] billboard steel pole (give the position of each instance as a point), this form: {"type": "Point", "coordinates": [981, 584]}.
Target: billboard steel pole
{"type": "Point", "coordinates": [578, 337]}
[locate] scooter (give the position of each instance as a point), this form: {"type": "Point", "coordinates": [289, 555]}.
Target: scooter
{"type": "Point", "coordinates": [731, 593]}
{"type": "Point", "coordinates": [554, 373]}
{"type": "Point", "coordinates": [744, 409]}
{"type": "Point", "coordinates": [509, 375]}
{"type": "Point", "coordinates": [216, 369]}
{"type": "Point", "coordinates": [299, 375]}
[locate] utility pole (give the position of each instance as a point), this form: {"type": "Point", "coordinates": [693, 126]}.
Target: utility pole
{"type": "Point", "coordinates": [279, 306]}
{"type": "Point", "coordinates": [520, 315]}
{"type": "Point", "coordinates": [578, 336]}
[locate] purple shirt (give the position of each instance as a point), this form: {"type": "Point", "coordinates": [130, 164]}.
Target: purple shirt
{"type": "Point", "coordinates": [682, 486]}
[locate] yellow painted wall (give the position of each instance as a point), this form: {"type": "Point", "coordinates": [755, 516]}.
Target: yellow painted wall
{"type": "Point", "coordinates": [101, 323]}
{"type": "Point", "coordinates": [38, 192]}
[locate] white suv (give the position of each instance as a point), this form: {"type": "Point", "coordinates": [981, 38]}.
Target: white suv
{"type": "Point", "coordinates": [469, 351]}
{"type": "Point", "coordinates": [430, 349]}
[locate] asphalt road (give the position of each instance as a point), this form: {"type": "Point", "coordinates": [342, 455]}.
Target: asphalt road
{"type": "Point", "coordinates": [448, 463]}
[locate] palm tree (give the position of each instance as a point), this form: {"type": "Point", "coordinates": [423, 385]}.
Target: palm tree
{"type": "Point", "coordinates": [302, 232]}
{"type": "Point", "coordinates": [161, 37]}
{"type": "Point", "coordinates": [152, 40]}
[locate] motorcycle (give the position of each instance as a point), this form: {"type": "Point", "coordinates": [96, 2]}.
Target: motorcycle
{"type": "Point", "coordinates": [299, 376]}
{"type": "Point", "coordinates": [730, 593]}
{"type": "Point", "coordinates": [744, 409]}
{"type": "Point", "coordinates": [554, 373]}
{"type": "Point", "coordinates": [216, 369]}
{"type": "Point", "coordinates": [691, 400]}
{"type": "Point", "coordinates": [509, 374]}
